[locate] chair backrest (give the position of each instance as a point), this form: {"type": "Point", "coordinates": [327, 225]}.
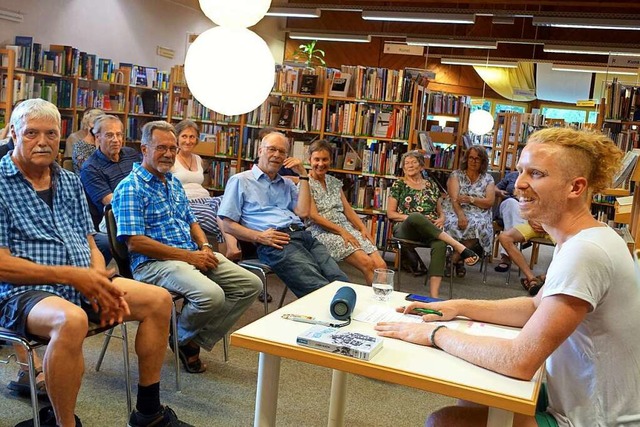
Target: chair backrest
{"type": "Point", "coordinates": [119, 250]}
{"type": "Point", "coordinates": [248, 250]}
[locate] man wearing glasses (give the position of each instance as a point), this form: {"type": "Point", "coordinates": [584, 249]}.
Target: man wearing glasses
{"type": "Point", "coordinates": [261, 207]}
{"type": "Point", "coordinates": [168, 248]}
{"type": "Point", "coordinates": [108, 165]}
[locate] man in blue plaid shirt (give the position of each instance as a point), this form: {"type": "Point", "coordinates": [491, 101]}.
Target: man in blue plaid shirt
{"type": "Point", "coordinates": [168, 248]}
{"type": "Point", "coordinates": [53, 279]}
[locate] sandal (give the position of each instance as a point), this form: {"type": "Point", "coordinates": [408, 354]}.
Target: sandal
{"type": "Point", "coordinates": [468, 253]}
{"type": "Point", "coordinates": [460, 270]}
{"type": "Point", "coordinates": [21, 385]}
{"type": "Point", "coordinates": [532, 286]}
{"type": "Point", "coordinates": [504, 265]}
{"type": "Point", "coordinates": [190, 358]}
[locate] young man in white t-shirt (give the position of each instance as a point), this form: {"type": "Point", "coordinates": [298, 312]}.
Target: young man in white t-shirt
{"type": "Point", "coordinates": [583, 322]}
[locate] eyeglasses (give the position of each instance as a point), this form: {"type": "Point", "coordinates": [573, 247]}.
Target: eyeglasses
{"type": "Point", "coordinates": [111, 135]}
{"type": "Point", "coordinates": [163, 149]}
{"type": "Point", "coordinates": [273, 150]}
{"type": "Point", "coordinates": [474, 159]}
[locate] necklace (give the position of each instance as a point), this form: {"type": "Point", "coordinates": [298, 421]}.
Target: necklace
{"type": "Point", "coordinates": [416, 184]}
{"type": "Point", "coordinates": [184, 162]}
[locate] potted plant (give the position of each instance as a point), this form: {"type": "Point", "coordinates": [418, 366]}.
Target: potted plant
{"type": "Point", "coordinates": [311, 55]}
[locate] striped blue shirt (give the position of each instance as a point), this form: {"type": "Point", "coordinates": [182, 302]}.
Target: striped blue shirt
{"type": "Point", "coordinates": [144, 206]}
{"type": "Point", "coordinates": [32, 231]}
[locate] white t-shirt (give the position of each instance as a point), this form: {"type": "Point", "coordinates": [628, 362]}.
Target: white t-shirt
{"type": "Point", "coordinates": [191, 180]}
{"type": "Point", "coordinates": [594, 376]}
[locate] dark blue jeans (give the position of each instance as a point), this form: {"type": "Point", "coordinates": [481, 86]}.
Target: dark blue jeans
{"type": "Point", "coordinates": [102, 242]}
{"type": "Point", "coordinates": [304, 264]}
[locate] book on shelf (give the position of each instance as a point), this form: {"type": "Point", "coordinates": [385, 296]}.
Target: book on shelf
{"type": "Point", "coordinates": [308, 84]}
{"type": "Point", "coordinates": [382, 124]}
{"type": "Point", "coordinates": [286, 116]}
{"type": "Point", "coordinates": [347, 343]}
{"type": "Point", "coordinates": [340, 84]}
{"type": "Point", "coordinates": [426, 142]}
{"type": "Point", "coordinates": [629, 162]}
{"type": "Point", "coordinates": [300, 151]}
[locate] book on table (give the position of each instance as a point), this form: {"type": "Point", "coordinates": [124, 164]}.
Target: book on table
{"type": "Point", "coordinates": [347, 343]}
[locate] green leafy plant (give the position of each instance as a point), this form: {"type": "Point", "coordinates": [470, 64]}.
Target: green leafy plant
{"type": "Point", "coordinates": [310, 54]}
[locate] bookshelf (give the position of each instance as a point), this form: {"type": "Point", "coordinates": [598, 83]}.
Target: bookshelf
{"type": "Point", "coordinates": [510, 134]}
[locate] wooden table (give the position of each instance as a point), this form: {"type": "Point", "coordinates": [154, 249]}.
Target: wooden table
{"type": "Point", "coordinates": [398, 362]}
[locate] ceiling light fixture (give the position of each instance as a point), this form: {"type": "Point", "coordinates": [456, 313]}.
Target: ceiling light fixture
{"type": "Point", "coordinates": [7, 15]}
{"type": "Point", "coordinates": [594, 69]}
{"type": "Point", "coordinates": [294, 12]}
{"type": "Point", "coordinates": [355, 38]}
{"type": "Point", "coordinates": [590, 23]}
{"type": "Point", "coordinates": [479, 62]}
{"type": "Point", "coordinates": [434, 18]}
{"type": "Point", "coordinates": [590, 50]}
{"type": "Point", "coordinates": [466, 44]}
{"type": "Point", "coordinates": [503, 20]}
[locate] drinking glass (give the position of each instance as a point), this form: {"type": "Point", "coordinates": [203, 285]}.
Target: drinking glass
{"type": "Point", "coordinates": [382, 284]}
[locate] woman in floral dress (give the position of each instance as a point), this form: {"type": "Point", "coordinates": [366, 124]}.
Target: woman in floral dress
{"type": "Point", "coordinates": [333, 221]}
{"type": "Point", "coordinates": [415, 204]}
{"type": "Point", "coordinates": [468, 211]}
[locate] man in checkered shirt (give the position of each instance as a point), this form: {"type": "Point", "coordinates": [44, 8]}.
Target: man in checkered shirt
{"type": "Point", "coordinates": [168, 248]}
{"type": "Point", "coordinates": [53, 279]}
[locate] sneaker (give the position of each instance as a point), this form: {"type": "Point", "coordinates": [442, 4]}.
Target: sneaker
{"type": "Point", "coordinates": [164, 418]}
{"type": "Point", "coordinates": [47, 419]}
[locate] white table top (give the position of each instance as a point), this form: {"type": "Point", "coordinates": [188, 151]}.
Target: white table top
{"type": "Point", "coordinates": [398, 362]}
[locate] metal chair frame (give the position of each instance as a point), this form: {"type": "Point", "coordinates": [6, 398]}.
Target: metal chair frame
{"type": "Point", "coordinates": [31, 345]}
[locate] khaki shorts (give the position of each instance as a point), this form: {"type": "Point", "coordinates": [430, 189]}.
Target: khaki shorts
{"type": "Point", "coordinates": [529, 233]}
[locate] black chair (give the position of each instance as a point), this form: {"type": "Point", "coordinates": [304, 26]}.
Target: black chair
{"type": "Point", "coordinates": [30, 345]}
{"type": "Point", "coordinates": [251, 262]}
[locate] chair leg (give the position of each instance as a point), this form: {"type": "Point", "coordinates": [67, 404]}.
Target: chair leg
{"type": "Point", "coordinates": [105, 344]}
{"type": "Point", "coordinates": [125, 358]}
{"type": "Point", "coordinates": [399, 267]}
{"type": "Point", "coordinates": [225, 347]}
{"type": "Point", "coordinates": [33, 386]}
{"type": "Point", "coordinates": [174, 337]}
{"type": "Point", "coordinates": [284, 294]}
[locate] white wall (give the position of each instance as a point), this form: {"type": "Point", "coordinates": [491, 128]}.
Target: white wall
{"type": "Point", "coordinates": [122, 30]}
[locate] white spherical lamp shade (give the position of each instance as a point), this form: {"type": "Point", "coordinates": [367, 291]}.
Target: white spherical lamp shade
{"type": "Point", "coordinates": [480, 122]}
{"type": "Point", "coordinates": [235, 13]}
{"type": "Point", "coordinates": [229, 70]}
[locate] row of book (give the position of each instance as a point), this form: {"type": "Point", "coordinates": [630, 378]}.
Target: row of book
{"type": "Point", "coordinates": [622, 102]}
{"type": "Point", "coordinates": [625, 137]}
{"type": "Point", "coordinates": [379, 227]}
{"type": "Point", "coordinates": [446, 103]}
{"type": "Point", "coordinates": [111, 101]}
{"type": "Point", "coordinates": [300, 115]}
{"type": "Point", "coordinates": [382, 158]}
{"type": "Point", "coordinates": [380, 120]}
{"type": "Point", "coordinates": [366, 192]}
{"type": "Point", "coordinates": [69, 61]}
{"type": "Point", "coordinates": [56, 91]}
{"type": "Point", "coordinates": [380, 84]}
{"type": "Point", "coordinates": [220, 171]}
{"type": "Point", "coordinates": [444, 157]}
{"type": "Point", "coordinates": [225, 140]}
{"type": "Point", "coordinates": [298, 80]}
{"type": "Point", "coordinates": [629, 163]}
{"type": "Point", "coordinates": [149, 102]}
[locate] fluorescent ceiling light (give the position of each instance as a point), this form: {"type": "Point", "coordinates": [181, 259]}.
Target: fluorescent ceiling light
{"type": "Point", "coordinates": [435, 18]}
{"type": "Point", "coordinates": [594, 69]}
{"type": "Point", "coordinates": [591, 23]}
{"type": "Point", "coordinates": [479, 62]}
{"type": "Point", "coordinates": [356, 38]}
{"type": "Point", "coordinates": [468, 44]}
{"type": "Point", "coordinates": [7, 15]}
{"type": "Point", "coordinates": [506, 20]}
{"type": "Point", "coordinates": [294, 12]}
{"type": "Point", "coordinates": [591, 50]}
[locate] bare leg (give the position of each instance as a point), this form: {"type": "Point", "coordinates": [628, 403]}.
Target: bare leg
{"type": "Point", "coordinates": [366, 263]}
{"type": "Point", "coordinates": [434, 286]}
{"type": "Point", "coordinates": [151, 306]}
{"type": "Point", "coordinates": [230, 247]}
{"type": "Point", "coordinates": [21, 355]}
{"type": "Point", "coordinates": [66, 324]}
{"type": "Point", "coordinates": [508, 239]}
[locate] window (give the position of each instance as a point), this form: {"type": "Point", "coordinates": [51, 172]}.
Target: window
{"type": "Point", "coordinates": [569, 115]}
{"type": "Point", "coordinates": [508, 108]}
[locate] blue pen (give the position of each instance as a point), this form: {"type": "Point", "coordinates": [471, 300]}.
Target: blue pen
{"type": "Point", "coordinates": [428, 311]}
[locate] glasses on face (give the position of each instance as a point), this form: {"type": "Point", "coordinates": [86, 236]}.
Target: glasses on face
{"type": "Point", "coordinates": [164, 148]}
{"type": "Point", "coordinates": [111, 135]}
{"type": "Point", "coordinates": [473, 159]}
{"type": "Point", "coordinates": [273, 150]}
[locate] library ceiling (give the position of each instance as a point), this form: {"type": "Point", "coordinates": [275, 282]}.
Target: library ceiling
{"type": "Point", "coordinates": [520, 28]}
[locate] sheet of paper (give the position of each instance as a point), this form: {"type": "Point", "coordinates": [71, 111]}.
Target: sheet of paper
{"type": "Point", "coordinates": [380, 313]}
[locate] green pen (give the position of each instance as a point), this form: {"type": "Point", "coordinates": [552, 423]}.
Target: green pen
{"type": "Point", "coordinates": [428, 311]}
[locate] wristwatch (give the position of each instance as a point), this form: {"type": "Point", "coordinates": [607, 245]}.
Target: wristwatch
{"type": "Point", "coordinates": [206, 245]}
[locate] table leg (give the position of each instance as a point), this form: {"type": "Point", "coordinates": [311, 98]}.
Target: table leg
{"type": "Point", "coordinates": [499, 418]}
{"type": "Point", "coordinates": [338, 395]}
{"type": "Point", "coordinates": [267, 390]}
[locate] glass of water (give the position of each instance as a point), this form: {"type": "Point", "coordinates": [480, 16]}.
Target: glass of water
{"type": "Point", "coordinates": [382, 284]}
